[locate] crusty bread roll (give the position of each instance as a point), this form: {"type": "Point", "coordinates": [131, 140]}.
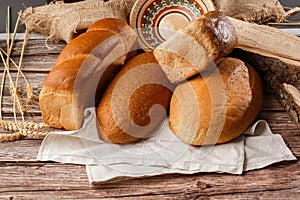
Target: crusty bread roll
{"type": "Point", "coordinates": [218, 107]}
{"type": "Point", "coordinates": [82, 71]}
{"type": "Point", "coordinates": [128, 109]}
{"type": "Point", "coordinates": [194, 47]}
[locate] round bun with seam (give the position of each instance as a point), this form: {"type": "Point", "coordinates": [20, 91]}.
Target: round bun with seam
{"type": "Point", "coordinates": [193, 115]}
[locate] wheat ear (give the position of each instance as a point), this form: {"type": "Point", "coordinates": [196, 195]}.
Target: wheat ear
{"type": "Point", "coordinates": [28, 130]}
{"type": "Point", "coordinates": [289, 13]}
{"type": "Point", "coordinates": [9, 137]}
{"type": "Point", "coordinates": [12, 126]}
{"type": "Point", "coordinates": [28, 134]}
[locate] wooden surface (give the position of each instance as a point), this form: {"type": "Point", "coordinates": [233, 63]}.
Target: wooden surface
{"type": "Point", "coordinates": [22, 177]}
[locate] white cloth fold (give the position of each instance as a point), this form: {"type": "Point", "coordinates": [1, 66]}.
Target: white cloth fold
{"type": "Point", "coordinates": [162, 153]}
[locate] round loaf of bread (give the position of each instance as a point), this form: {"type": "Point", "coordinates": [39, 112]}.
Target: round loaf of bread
{"type": "Point", "coordinates": [219, 107]}
{"type": "Point", "coordinates": [81, 74]}
{"type": "Point", "coordinates": [135, 102]}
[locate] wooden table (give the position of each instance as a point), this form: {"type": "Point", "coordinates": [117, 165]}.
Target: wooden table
{"type": "Point", "coordinates": [22, 177]}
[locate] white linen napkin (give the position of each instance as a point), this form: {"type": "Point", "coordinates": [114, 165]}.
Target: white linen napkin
{"type": "Point", "coordinates": [162, 153]}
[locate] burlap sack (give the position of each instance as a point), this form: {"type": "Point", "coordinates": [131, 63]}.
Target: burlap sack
{"type": "Point", "coordinates": [60, 21]}
{"type": "Point", "coordinates": [258, 11]}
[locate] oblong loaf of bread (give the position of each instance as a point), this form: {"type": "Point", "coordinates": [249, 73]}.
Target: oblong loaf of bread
{"type": "Point", "coordinates": [217, 108]}
{"type": "Point", "coordinates": [83, 70]}
{"type": "Point", "coordinates": [195, 47]}
{"type": "Point", "coordinates": [135, 102]}
{"type": "Point", "coordinates": [117, 26]}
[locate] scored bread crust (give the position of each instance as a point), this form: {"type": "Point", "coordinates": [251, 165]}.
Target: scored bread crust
{"type": "Point", "coordinates": [59, 106]}
{"type": "Point", "coordinates": [194, 47]}
{"type": "Point", "coordinates": [243, 102]}
{"type": "Point", "coordinates": [116, 111]}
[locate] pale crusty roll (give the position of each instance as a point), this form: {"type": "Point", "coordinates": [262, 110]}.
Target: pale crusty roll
{"type": "Point", "coordinates": [126, 111]}
{"type": "Point", "coordinates": [194, 47]}
{"type": "Point", "coordinates": [80, 65]}
{"type": "Point", "coordinates": [194, 118]}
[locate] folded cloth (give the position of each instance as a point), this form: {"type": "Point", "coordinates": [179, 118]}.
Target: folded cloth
{"type": "Point", "coordinates": [162, 153]}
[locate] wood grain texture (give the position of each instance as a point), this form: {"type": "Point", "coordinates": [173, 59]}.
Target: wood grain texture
{"type": "Point", "coordinates": [69, 181]}
{"type": "Point", "coordinates": [23, 177]}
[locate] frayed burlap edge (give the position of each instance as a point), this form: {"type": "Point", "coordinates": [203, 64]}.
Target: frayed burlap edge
{"type": "Point", "coordinates": [59, 21]}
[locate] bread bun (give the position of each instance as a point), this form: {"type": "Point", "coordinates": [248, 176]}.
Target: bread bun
{"type": "Point", "coordinates": [127, 110]}
{"type": "Point", "coordinates": [194, 47]}
{"type": "Point", "coordinates": [218, 107]}
{"type": "Point", "coordinates": [81, 72]}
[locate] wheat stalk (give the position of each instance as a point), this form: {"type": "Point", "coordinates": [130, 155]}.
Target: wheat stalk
{"type": "Point", "coordinates": [13, 126]}
{"type": "Point", "coordinates": [23, 133]}
{"type": "Point", "coordinates": [289, 13]}
{"type": "Point", "coordinates": [16, 94]}
{"type": "Point", "coordinates": [7, 48]}
{"type": "Point", "coordinates": [28, 134]}
{"type": "Point", "coordinates": [8, 28]}
{"type": "Point", "coordinates": [15, 64]}
{"type": "Point", "coordinates": [13, 90]}
{"type": "Point", "coordinates": [29, 94]}
{"type": "Point", "coordinates": [23, 129]}
{"type": "Point", "coordinates": [27, 130]}
{"type": "Point", "coordinates": [29, 90]}
{"type": "Point", "coordinates": [4, 137]}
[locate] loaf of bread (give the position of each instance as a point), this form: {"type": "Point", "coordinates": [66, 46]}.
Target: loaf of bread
{"type": "Point", "coordinates": [219, 107]}
{"type": "Point", "coordinates": [82, 71]}
{"type": "Point", "coordinates": [195, 47]}
{"type": "Point", "coordinates": [135, 102]}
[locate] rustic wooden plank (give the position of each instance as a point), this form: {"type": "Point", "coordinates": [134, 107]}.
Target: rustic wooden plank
{"type": "Point", "coordinates": [36, 80]}
{"type": "Point", "coordinates": [35, 47]}
{"type": "Point", "coordinates": [278, 121]}
{"type": "Point", "coordinates": [92, 194]}
{"type": "Point", "coordinates": [33, 63]}
{"type": "Point", "coordinates": [22, 150]}
{"type": "Point", "coordinates": [271, 104]}
{"type": "Point", "coordinates": [253, 195]}
{"type": "Point", "coordinates": [31, 108]}
{"type": "Point", "coordinates": [28, 180]}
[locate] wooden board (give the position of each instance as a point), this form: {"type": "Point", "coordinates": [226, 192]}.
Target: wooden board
{"type": "Point", "coordinates": [22, 177]}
